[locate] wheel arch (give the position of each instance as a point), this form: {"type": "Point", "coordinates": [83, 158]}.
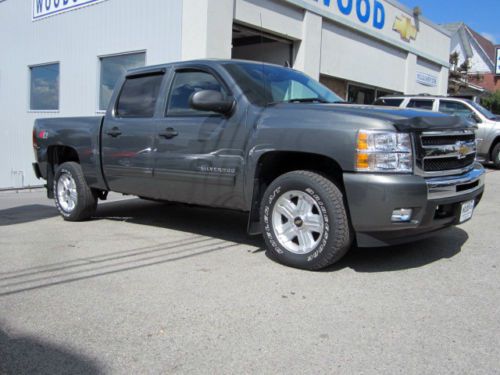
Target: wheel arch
{"type": "Point", "coordinates": [273, 164]}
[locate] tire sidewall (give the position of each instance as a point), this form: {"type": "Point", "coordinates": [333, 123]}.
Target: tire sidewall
{"type": "Point", "coordinates": [67, 168]}
{"type": "Point", "coordinates": [326, 208]}
{"type": "Point", "coordinates": [496, 156]}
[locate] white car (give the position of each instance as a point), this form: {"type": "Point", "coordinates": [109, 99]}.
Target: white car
{"type": "Point", "coordinates": [488, 124]}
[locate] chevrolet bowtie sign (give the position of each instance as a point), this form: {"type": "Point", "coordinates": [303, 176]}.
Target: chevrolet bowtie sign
{"type": "Point", "coordinates": [405, 28]}
{"type": "Point", "coordinates": [46, 8]}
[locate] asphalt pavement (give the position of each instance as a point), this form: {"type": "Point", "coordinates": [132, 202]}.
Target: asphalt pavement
{"type": "Point", "coordinates": [155, 288]}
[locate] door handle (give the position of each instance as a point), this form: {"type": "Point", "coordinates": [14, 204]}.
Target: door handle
{"type": "Point", "coordinates": [169, 133]}
{"type": "Point", "coordinates": [115, 132]}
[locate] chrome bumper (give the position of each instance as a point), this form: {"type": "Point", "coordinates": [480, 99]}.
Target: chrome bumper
{"type": "Point", "coordinates": [455, 186]}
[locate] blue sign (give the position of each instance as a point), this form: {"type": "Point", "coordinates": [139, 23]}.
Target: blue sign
{"type": "Point", "coordinates": [497, 72]}
{"type": "Point", "coordinates": [46, 8]}
{"type": "Point", "coordinates": [367, 11]}
{"type": "Point", "coordinates": [427, 79]}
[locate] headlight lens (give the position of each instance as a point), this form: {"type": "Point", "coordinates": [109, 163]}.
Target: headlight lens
{"type": "Point", "coordinates": [379, 151]}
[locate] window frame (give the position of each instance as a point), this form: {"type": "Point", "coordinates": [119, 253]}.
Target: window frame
{"type": "Point", "coordinates": [58, 109]}
{"type": "Point", "coordinates": [99, 74]}
{"type": "Point", "coordinates": [193, 113]}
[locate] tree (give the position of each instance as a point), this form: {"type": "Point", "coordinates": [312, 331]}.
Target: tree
{"type": "Point", "coordinates": [492, 102]}
{"type": "Point", "coordinates": [458, 78]}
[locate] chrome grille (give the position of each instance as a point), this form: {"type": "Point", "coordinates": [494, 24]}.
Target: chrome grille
{"type": "Point", "coordinates": [445, 152]}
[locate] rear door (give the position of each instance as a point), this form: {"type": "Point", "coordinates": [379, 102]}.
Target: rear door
{"type": "Point", "coordinates": [129, 135]}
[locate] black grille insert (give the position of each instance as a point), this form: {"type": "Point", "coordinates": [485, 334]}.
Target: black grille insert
{"type": "Point", "coordinates": [445, 164]}
{"type": "Point", "coordinates": [447, 140]}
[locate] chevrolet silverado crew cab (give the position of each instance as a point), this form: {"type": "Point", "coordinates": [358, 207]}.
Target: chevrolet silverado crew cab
{"type": "Point", "coordinates": [488, 125]}
{"type": "Point", "coordinates": [314, 174]}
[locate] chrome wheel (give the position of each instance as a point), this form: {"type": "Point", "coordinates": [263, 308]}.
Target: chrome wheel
{"type": "Point", "coordinates": [297, 222]}
{"type": "Point", "coordinates": [66, 192]}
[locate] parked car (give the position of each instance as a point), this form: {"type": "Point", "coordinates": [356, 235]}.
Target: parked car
{"type": "Point", "coordinates": [314, 176]}
{"type": "Point", "coordinates": [488, 132]}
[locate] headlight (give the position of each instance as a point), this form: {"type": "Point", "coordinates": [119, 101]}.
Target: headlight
{"type": "Point", "coordinates": [384, 151]}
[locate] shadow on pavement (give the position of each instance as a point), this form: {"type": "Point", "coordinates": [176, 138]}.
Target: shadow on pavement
{"type": "Point", "coordinates": [26, 214]}
{"type": "Point", "coordinates": [445, 245]}
{"type": "Point", "coordinates": [27, 355]}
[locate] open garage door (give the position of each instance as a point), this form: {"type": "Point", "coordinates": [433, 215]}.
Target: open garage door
{"type": "Point", "coordinates": [255, 45]}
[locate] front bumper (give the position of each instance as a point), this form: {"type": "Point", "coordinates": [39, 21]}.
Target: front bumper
{"type": "Point", "coordinates": [436, 204]}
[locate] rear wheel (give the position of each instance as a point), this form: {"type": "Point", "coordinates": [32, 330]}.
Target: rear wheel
{"type": "Point", "coordinates": [495, 156]}
{"type": "Point", "coordinates": [74, 198]}
{"type": "Point", "coordinates": [305, 221]}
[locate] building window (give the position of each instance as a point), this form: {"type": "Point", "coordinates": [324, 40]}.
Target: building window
{"type": "Point", "coordinates": [112, 68]}
{"type": "Point", "coordinates": [44, 87]}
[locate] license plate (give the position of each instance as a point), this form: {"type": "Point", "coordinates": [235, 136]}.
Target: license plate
{"type": "Point", "coordinates": [467, 211]}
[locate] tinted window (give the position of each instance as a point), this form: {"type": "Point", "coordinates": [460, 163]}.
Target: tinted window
{"type": "Point", "coordinates": [139, 95]}
{"type": "Point", "coordinates": [112, 69]}
{"type": "Point", "coordinates": [44, 87]}
{"type": "Point", "coordinates": [360, 95]}
{"type": "Point", "coordinates": [422, 104]}
{"type": "Point", "coordinates": [185, 85]}
{"type": "Point", "coordinates": [454, 108]}
{"type": "Point", "coordinates": [389, 102]}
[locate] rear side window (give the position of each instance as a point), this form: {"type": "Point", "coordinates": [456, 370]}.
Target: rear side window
{"type": "Point", "coordinates": [139, 96]}
{"type": "Point", "coordinates": [389, 102]}
{"type": "Point", "coordinates": [421, 104]}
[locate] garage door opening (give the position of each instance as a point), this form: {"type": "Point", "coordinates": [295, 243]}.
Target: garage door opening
{"type": "Point", "coordinates": [251, 44]}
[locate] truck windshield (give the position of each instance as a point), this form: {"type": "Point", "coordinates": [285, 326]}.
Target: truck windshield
{"type": "Point", "coordinates": [266, 85]}
{"type": "Point", "coordinates": [482, 110]}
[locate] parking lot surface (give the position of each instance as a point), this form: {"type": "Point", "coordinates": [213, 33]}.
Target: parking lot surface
{"type": "Point", "coordinates": [147, 287]}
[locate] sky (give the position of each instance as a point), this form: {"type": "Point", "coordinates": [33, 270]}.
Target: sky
{"type": "Point", "coordinates": [482, 16]}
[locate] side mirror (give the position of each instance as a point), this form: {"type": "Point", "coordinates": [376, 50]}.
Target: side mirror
{"type": "Point", "coordinates": [476, 118]}
{"type": "Point", "coordinates": [212, 101]}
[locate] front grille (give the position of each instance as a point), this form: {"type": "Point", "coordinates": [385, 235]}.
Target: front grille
{"type": "Point", "coordinates": [447, 140]}
{"type": "Point", "coordinates": [447, 152]}
{"type": "Point", "coordinates": [445, 164]}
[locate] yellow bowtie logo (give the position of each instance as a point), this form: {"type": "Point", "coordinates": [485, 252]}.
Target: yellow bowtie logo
{"type": "Point", "coordinates": [405, 28]}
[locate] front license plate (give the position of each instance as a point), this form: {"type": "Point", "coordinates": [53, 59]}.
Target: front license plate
{"type": "Point", "coordinates": [467, 211]}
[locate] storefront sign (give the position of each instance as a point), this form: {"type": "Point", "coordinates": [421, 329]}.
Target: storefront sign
{"type": "Point", "coordinates": [366, 11]}
{"type": "Point", "coordinates": [46, 8]}
{"type": "Point", "coordinates": [427, 79]}
{"type": "Point", "coordinates": [497, 64]}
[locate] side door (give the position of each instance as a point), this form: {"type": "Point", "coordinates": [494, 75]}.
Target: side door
{"type": "Point", "coordinates": [129, 135]}
{"type": "Point", "coordinates": [199, 156]}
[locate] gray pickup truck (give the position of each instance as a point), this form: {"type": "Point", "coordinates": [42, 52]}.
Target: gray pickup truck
{"type": "Point", "coordinates": [314, 174]}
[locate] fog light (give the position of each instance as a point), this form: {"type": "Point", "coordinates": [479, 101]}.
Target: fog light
{"type": "Point", "coordinates": [401, 215]}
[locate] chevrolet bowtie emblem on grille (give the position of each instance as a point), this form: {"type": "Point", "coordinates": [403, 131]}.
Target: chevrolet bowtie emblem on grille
{"type": "Point", "coordinates": [463, 150]}
{"type": "Point", "coordinates": [405, 28]}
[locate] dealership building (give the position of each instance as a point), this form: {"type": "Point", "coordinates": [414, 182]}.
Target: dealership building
{"type": "Point", "coordinates": [62, 57]}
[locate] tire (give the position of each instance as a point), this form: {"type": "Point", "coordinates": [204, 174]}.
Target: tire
{"type": "Point", "coordinates": [74, 199]}
{"type": "Point", "coordinates": [495, 156]}
{"type": "Point", "coordinates": [305, 221]}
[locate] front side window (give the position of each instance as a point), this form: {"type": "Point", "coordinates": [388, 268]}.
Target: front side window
{"type": "Point", "coordinates": [185, 84]}
{"type": "Point", "coordinates": [421, 104]}
{"type": "Point", "coordinates": [112, 69]}
{"type": "Point", "coordinates": [139, 96]}
{"type": "Point", "coordinates": [44, 87]}
{"type": "Point", "coordinates": [455, 108]}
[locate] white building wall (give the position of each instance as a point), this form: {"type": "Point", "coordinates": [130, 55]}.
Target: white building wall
{"type": "Point", "coordinates": [74, 39]}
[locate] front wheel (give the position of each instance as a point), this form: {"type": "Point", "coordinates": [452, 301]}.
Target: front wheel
{"type": "Point", "coordinates": [495, 156]}
{"type": "Point", "coordinates": [74, 199]}
{"type": "Point", "coordinates": [305, 221]}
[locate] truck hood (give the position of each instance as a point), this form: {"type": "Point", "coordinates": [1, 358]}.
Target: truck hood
{"type": "Point", "coordinates": [407, 120]}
